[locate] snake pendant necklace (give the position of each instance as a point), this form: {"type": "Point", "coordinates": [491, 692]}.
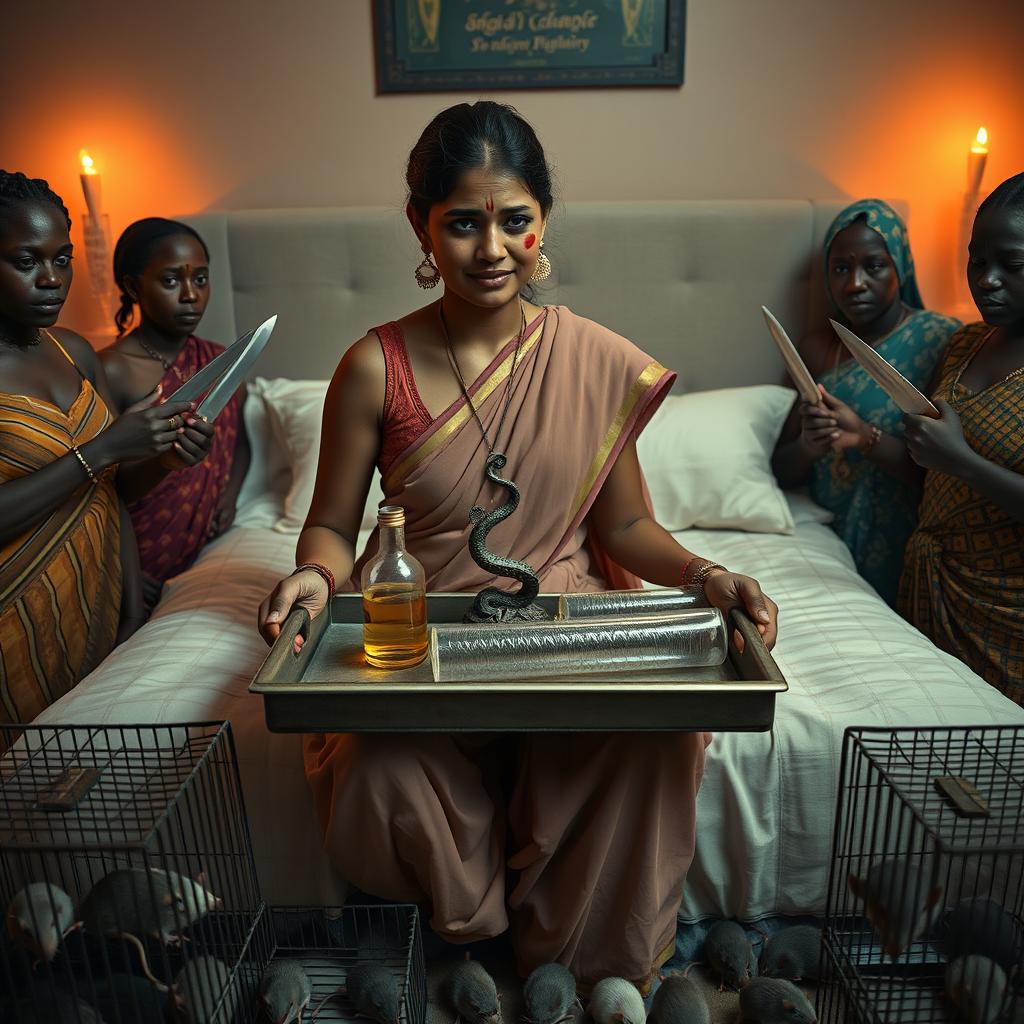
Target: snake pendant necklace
{"type": "Point", "coordinates": [493, 604]}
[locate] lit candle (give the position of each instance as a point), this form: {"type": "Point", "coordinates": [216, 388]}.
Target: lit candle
{"type": "Point", "coordinates": [976, 161]}
{"type": "Point", "coordinates": [90, 185]}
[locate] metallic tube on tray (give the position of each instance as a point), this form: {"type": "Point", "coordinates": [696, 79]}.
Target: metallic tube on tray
{"type": "Point", "coordinates": [545, 650]}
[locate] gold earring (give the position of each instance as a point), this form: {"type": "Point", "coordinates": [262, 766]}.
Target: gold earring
{"type": "Point", "coordinates": [427, 275]}
{"type": "Point", "coordinates": [543, 269]}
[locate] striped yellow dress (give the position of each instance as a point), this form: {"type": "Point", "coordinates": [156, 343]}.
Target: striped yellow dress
{"type": "Point", "coordinates": [963, 573]}
{"type": "Point", "coordinates": [60, 581]}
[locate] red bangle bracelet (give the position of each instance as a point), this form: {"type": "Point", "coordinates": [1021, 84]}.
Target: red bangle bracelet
{"type": "Point", "coordinates": [686, 570]}
{"type": "Point", "coordinates": [325, 574]}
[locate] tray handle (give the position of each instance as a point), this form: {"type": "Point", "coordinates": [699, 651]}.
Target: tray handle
{"type": "Point", "coordinates": [282, 661]}
{"type": "Point", "coordinates": [755, 662]}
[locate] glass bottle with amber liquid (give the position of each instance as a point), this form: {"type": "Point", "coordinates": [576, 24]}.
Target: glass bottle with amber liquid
{"type": "Point", "coordinates": [394, 598]}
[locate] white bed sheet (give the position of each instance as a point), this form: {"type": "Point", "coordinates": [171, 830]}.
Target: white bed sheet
{"type": "Point", "coordinates": [766, 804]}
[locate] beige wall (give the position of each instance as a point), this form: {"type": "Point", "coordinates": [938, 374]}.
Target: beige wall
{"type": "Point", "coordinates": [233, 104]}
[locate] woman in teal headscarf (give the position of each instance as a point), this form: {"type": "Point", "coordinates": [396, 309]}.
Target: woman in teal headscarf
{"type": "Point", "coordinates": [850, 449]}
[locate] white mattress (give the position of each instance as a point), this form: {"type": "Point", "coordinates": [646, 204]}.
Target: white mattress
{"type": "Point", "coordinates": [766, 805]}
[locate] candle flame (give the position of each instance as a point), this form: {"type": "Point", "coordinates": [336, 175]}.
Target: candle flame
{"type": "Point", "coordinates": [980, 141]}
{"type": "Point", "coordinates": [88, 164]}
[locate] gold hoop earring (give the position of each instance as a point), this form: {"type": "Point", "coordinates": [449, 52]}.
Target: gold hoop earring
{"type": "Point", "coordinates": [542, 271]}
{"type": "Point", "coordinates": [427, 275]}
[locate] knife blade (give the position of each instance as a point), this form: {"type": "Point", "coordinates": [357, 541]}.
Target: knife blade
{"type": "Point", "coordinates": [221, 392]}
{"type": "Point", "coordinates": [802, 378]}
{"type": "Point", "coordinates": [204, 377]}
{"type": "Point", "coordinates": [885, 375]}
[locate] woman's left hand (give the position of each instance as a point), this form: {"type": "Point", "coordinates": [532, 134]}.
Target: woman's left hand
{"type": "Point", "coordinates": [938, 444]}
{"type": "Point", "coordinates": [851, 430]}
{"type": "Point", "coordinates": [192, 444]}
{"type": "Point", "coordinates": [728, 590]}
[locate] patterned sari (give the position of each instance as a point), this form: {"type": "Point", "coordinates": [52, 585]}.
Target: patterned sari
{"type": "Point", "coordinates": [963, 581]}
{"type": "Point", "coordinates": [60, 581]}
{"type": "Point", "coordinates": [874, 512]}
{"type": "Point", "coordinates": [172, 522]}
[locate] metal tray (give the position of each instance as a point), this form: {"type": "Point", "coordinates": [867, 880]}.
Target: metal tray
{"type": "Point", "coordinates": [328, 687]}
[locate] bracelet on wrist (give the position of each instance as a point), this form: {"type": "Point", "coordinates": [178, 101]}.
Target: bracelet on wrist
{"type": "Point", "coordinates": [85, 465]}
{"type": "Point", "coordinates": [322, 571]}
{"type": "Point", "coordinates": [700, 577]}
{"type": "Point", "coordinates": [874, 436]}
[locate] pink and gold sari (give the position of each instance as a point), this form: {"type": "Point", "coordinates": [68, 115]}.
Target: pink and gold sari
{"type": "Point", "coordinates": [580, 393]}
{"type": "Point", "coordinates": [580, 843]}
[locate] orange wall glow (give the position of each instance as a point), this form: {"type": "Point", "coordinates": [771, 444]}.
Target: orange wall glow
{"type": "Point", "coordinates": [243, 104]}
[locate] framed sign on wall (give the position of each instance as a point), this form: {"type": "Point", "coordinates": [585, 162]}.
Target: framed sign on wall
{"type": "Point", "coordinates": [438, 45]}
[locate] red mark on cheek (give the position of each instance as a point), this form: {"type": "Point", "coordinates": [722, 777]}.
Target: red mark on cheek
{"type": "Point", "coordinates": [530, 239]}
{"type": "Point", "coordinates": [490, 205]}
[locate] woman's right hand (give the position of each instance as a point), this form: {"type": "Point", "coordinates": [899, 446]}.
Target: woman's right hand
{"type": "Point", "coordinates": [143, 431]}
{"type": "Point", "coordinates": [306, 589]}
{"type": "Point", "coordinates": [818, 428]}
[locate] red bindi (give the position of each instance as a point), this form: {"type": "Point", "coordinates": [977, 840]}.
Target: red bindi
{"type": "Point", "coordinates": [490, 205]}
{"type": "Point", "coordinates": [530, 239]}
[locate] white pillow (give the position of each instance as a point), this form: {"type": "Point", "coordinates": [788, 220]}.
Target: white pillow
{"type": "Point", "coordinates": [805, 510]}
{"type": "Point", "coordinates": [295, 409]}
{"type": "Point", "coordinates": [706, 458]}
{"type": "Point", "coordinates": [261, 497]}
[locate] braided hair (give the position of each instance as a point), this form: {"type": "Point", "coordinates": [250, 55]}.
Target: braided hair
{"type": "Point", "coordinates": [132, 253]}
{"type": "Point", "coordinates": [1007, 196]}
{"type": "Point", "coordinates": [16, 188]}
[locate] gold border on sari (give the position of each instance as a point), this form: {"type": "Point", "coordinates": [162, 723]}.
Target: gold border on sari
{"type": "Point", "coordinates": [651, 374]}
{"type": "Point", "coordinates": [458, 419]}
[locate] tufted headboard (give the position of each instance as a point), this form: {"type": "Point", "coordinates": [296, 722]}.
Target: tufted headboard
{"type": "Point", "coordinates": [683, 280]}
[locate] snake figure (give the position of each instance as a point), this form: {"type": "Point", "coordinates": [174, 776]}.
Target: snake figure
{"type": "Point", "coordinates": [492, 604]}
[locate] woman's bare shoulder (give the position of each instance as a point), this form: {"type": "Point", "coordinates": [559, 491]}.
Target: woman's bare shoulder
{"type": "Point", "coordinates": [360, 375]}
{"type": "Point", "coordinates": [79, 349]}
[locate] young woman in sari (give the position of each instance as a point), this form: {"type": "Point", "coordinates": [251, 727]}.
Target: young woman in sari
{"type": "Point", "coordinates": [849, 448]}
{"type": "Point", "coordinates": [64, 535]}
{"type": "Point", "coordinates": [162, 266]}
{"type": "Point", "coordinates": [585, 853]}
{"type": "Point", "coordinates": [963, 581]}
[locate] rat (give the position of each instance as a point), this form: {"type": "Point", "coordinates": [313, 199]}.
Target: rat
{"type": "Point", "coordinates": [549, 995]}
{"type": "Point", "coordinates": [898, 904]}
{"type": "Point", "coordinates": [774, 1001]}
{"type": "Point", "coordinates": [616, 1001]}
{"type": "Point", "coordinates": [285, 991]}
{"type": "Point", "coordinates": [678, 1001]}
{"type": "Point", "coordinates": [472, 993]}
{"type": "Point", "coordinates": [373, 992]}
{"type": "Point", "coordinates": [792, 953]}
{"type": "Point", "coordinates": [977, 985]}
{"type": "Point", "coordinates": [196, 992]}
{"type": "Point", "coordinates": [730, 954]}
{"type": "Point", "coordinates": [121, 904]}
{"type": "Point", "coordinates": [39, 916]}
{"type": "Point", "coordinates": [980, 925]}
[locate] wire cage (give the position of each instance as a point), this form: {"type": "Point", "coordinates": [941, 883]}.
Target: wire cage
{"type": "Point", "coordinates": [926, 888]}
{"type": "Point", "coordinates": [124, 850]}
{"type": "Point", "coordinates": [328, 942]}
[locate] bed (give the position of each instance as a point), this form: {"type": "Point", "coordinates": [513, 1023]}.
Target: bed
{"type": "Point", "coordinates": [766, 805]}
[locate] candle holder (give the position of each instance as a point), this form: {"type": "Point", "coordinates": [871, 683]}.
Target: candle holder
{"type": "Point", "coordinates": [977, 156]}
{"type": "Point", "coordinates": [96, 234]}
